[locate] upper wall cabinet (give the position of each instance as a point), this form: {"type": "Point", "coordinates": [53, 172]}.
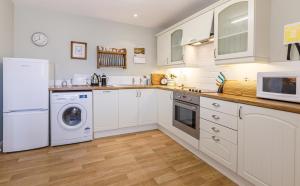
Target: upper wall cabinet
{"type": "Point", "coordinates": [163, 49]}
{"type": "Point", "coordinates": [169, 48]}
{"type": "Point", "coordinates": [198, 29]}
{"type": "Point", "coordinates": [242, 31]}
{"type": "Point", "coordinates": [176, 47]}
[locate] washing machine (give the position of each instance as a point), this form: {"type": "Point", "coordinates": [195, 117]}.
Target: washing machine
{"type": "Point", "coordinates": [71, 117]}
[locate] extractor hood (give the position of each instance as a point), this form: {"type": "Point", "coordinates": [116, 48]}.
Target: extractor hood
{"type": "Point", "coordinates": [199, 30]}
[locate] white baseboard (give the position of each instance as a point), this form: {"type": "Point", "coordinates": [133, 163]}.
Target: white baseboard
{"type": "Point", "coordinates": [225, 171]}
{"type": "Point", "coordinates": [101, 134]}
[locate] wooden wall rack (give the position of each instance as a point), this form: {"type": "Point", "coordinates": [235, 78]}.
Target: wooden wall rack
{"type": "Point", "coordinates": [113, 57]}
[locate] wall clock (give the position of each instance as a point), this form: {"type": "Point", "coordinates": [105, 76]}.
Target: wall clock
{"type": "Point", "coordinates": [39, 39]}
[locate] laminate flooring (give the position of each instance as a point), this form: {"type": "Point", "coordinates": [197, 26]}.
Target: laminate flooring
{"type": "Point", "coordinates": [140, 159]}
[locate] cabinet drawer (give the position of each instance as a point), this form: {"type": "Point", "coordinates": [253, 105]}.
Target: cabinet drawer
{"type": "Point", "coordinates": [219, 149]}
{"type": "Point", "coordinates": [225, 120]}
{"type": "Point", "coordinates": [218, 105]}
{"type": "Point", "coordinates": [219, 131]}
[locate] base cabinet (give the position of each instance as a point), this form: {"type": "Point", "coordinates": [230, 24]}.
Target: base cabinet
{"type": "Point", "coordinates": [147, 106]}
{"type": "Point", "coordinates": [106, 113]}
{"type": "Point", "coordinates": [165, 109]}
{"type": "Point", "coordinates": [219, 149]}
{"type": "Point", "coordinates": [268, 147]}
{"type": "Point", "coordinates": [128, 108]}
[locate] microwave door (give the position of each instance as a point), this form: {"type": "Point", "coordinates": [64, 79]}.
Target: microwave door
{"type": "Point", "coordinates": [280, 85]}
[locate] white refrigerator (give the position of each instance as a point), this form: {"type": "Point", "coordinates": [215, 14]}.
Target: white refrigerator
{"type": "Point", "coordinates": [25, 104]}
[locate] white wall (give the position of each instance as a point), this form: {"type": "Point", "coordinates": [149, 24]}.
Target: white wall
{"type": "Point", "coordinates": [6, 44]}
{"type": "Point", "coordinates": [63, 28]}
{"type": "Point", "coordinates": [283, 12]}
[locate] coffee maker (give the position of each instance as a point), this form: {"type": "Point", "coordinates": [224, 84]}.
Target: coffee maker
{"type": "Point", "coordinates": [104, 79]}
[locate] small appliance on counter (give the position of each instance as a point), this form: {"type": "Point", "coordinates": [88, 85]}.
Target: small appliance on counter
{"type": "Point", "coordinates": [95, 80]}
{"type": "Point", "coordinates": [104, 80]}
{"type": "Point", "coordinates": [283, 86]}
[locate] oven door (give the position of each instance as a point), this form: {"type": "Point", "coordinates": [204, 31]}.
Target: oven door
{"type": "Point", "coordinates": [186, 118]}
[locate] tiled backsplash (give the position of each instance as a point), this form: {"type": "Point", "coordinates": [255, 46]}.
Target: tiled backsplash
{"type": "Point", "coordinates": [112, 80]}
{"type": "Point", "coordinates": [204, 76]}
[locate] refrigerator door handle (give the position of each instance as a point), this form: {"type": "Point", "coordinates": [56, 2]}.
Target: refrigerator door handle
{"type": "Point", "coordinates": [27, 110]}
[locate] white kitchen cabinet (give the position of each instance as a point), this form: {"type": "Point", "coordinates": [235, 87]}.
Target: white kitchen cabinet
{"type": "Point", "coordinates": [242, 31]}
{"type": "Point", "coordinates": [147, 106]}
{"type": "Point", "coordinates": [198, 29]}
{"type": "Point", "coordinates": [165, 109]}
{"type": "Point", "coordinates": [105, 110]}
{"type": "Point", "coordinates": [164, 49]}
{"type": "Point", "coordinates": [219, 149]}
{"type": "Point", "coordinates": [128, 108]}
{"type": "Point", "coordinates": [176, 47]}
{"type": "Point", "coordinates": [269, 146]}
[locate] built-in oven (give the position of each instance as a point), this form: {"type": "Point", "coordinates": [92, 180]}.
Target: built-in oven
{"type": "Point", "coordinates": [186, 113]}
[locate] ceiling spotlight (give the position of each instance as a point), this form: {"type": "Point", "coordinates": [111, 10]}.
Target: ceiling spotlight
{"type": "Point", "coordinates": [135, 15]}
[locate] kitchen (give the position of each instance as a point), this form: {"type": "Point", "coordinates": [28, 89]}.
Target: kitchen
{"type": "Point", "coordinates": [123, 117]}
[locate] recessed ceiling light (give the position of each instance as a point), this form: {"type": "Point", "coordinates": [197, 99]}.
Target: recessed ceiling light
{"type": "Point", "coordinates": [135, 15]}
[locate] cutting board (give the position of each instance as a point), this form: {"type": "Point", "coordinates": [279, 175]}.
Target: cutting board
{"type": "Point", "coordinates": [240, 88]}
{"type": "Point", "coordinates": [156, 78]}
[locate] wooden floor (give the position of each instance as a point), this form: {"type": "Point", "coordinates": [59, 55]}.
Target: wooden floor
{"type": "Point", "coordinates": [142, 159]}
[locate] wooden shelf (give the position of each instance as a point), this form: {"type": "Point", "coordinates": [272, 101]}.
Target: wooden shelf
{"type": "Point", "coordinates": [113, 53]}
{"type": "Point", "coordinates": [112, 58]}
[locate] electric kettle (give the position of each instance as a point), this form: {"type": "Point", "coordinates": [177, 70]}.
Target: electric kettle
{"type": "Point", "coordinates": [95, 81]}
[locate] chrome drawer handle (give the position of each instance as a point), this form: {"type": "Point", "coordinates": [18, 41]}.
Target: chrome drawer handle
{"type": "Point", "coordinates": [215, 129]}
{"type": "Point", "coordinates": [215, 117]}
{"type": "Point", "coordinates": [216, 104]}
{"type": "Point", "coordinates": [215, 139]}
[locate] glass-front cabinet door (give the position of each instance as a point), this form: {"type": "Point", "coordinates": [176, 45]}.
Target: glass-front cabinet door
{"type": "Point", "coordinates": [234, 30]}
{"type": "Point", "coordinates": [176, 47]}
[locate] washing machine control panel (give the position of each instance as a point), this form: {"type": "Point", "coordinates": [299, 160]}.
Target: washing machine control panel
{"type": "Point", "coordinates": [65, 97]}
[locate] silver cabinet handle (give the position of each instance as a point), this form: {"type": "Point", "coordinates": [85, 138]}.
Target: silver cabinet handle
{"type": "Point", "coordinates": [240, 112]}
{"type": "Point", "coordinates": [107, 91]}
{"type": "Point", "coordinates": [215, 117]}
{"type": "Point", "coordinates": [215, 129]}
{"type": "Point", "coordinates": [137, 93]}
{"type": "Point", "coordinates": [215, 139]}
{"type": "Point", "coordinates": [216, 104]}
{"type": "Point", "coordinates": [215, 55]}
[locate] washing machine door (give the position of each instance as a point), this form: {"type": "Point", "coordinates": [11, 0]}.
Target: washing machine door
{"type": "Point", "coordinates": [72, 116]}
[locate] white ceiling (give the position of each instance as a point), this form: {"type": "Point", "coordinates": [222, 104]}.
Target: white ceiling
{"type": "Point", "coordinates": [151, 13]}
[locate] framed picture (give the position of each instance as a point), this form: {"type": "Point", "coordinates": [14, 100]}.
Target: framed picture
{"type": "Point", "coordinates": [139, 56]}
{"type": "Point", "coordinates": [78, 50]}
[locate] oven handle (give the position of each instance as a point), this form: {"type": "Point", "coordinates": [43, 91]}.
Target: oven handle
{"type": "Point", "coordinates": [187, 105]}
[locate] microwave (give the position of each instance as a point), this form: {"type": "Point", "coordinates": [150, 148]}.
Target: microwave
{"type": "Point", "coordinates": [283, 86]}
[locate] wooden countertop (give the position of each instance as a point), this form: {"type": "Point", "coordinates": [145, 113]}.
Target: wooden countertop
{"type": "Point", "coordinates": [119, 87]}
{"type": "Point", "coordinates": [277, 105]}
